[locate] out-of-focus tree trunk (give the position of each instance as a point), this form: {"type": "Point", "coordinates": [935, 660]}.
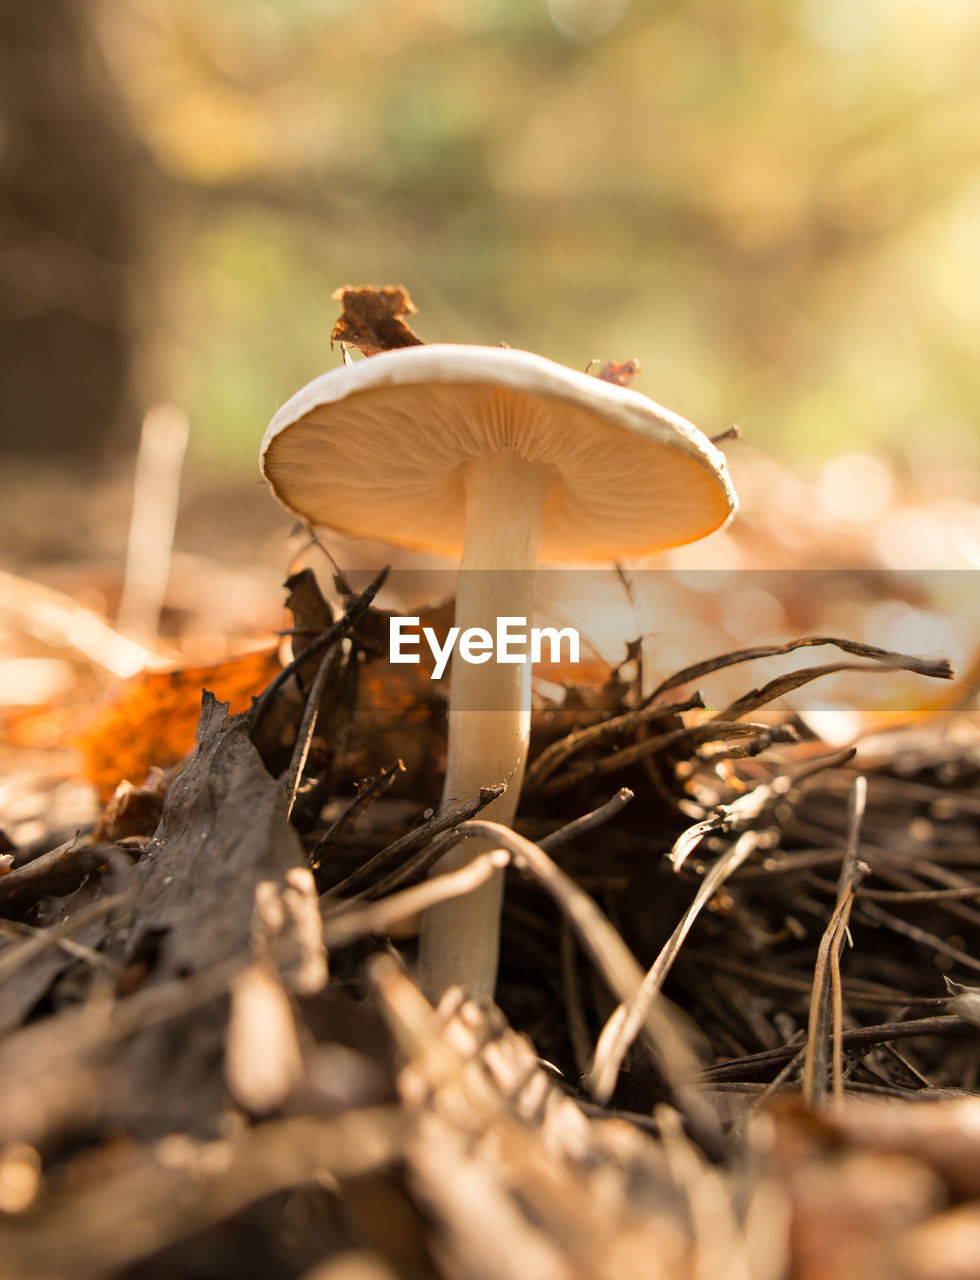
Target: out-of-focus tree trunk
{"type": "Point", "coordinates": [69, 248]}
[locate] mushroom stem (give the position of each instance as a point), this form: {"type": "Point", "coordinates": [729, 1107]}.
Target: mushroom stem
{"type": "Point", "coordinates": [489, 709]}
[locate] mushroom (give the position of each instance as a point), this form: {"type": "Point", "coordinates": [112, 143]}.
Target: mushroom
{"type": "Point", "coordinates": [506, 457]}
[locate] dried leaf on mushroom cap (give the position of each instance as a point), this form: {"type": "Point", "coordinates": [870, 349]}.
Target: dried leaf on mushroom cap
{"type": "Point", "coordinates": [372, 318]}
{"type": "Point", "coordinates": [621, 373]}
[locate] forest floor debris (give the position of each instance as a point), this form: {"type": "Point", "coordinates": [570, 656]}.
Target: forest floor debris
{"type": "Point", "coordinates": [723, 1041]}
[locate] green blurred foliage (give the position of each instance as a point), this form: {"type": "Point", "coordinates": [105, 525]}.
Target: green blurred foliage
{"type": "Point", "coordinates": [773, 204]}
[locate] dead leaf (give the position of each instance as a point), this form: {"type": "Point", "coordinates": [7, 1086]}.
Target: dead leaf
{"type": "Point", "coordinates": [223, 832]}
{"type": "Point", "coordinates": [151, 718]}
{"type": "Point", "coordinates": [372, 318]}
{"type": "Point", "coordinates": [621, 374]}
{"type": "Point", "coordinates": [133, 811]}
{"type": "Point", "coordinates": [311, 613]}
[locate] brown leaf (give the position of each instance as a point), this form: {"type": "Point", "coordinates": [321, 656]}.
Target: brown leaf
{"type": "Point", "coordinates": [311, 613]}
{"type": "Point", "coordinates": [223, 832]}
{"type": "Point", "coordinates": [622, 374]}
{"type": "Point", "coordinates": [372, 318]}
{"type": "Point", "coordinates": [133, 811]}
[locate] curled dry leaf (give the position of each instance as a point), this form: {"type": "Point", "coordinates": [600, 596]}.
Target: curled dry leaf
{"type": "Point", "coordinates": [372, 318]}
{"type": "Point", "coordinates": [133, 811]}
{"type": "Point", "coordinates": [622, 374]}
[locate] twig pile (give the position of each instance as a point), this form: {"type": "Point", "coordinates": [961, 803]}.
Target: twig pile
{"type": "Point", "coordinates": [215, 1062]}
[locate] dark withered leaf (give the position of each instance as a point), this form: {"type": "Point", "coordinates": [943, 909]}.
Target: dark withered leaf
{"type": "Point", "coordinates": [222, 832]}
{"type": "Point", "coordinates": [311, 613]}
{"type": "Point", "coordinates": [372, 318]}
{"type": "Point", "coordinates": [621, 374]}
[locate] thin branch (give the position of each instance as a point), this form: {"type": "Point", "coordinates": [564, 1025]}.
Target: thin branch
{"type": "Point", "coordinates": [18, 954]}
{"type": "Point", "coordinates": [588, 822]}
{"type": "Point", "coordinates": [418, 837]}
{"type": "Point", "coordinates": [619, 968]}
{"type": "Point", "coordinates": [304, 737]}
{"type": "Point", "coordinates": [756, 1064]}
{"type": "Point", "coordinates": [368, 793]}
{"type": "Point", "coordinates": [379, 917]}
{"type": "Point", "coordinates": [941, 669]}
{"type": "Point", "coordinates": [871, 911]}
{"type": "Point", "coordinates": [625, 1023]}
{"type": "Point", "coordinates": [826, 1007]}
{"type": "Point", "coordinates": [688, 737]}
{"type": "Point", "coordinates": [558, 752]}
{"type": "Point", "coordinates": [342, 627]}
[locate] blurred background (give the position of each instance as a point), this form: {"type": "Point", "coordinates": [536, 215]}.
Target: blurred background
{"type": "Point", "coordinates": [774, 206]}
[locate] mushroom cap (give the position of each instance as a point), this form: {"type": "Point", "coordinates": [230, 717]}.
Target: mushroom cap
{"type": "Point", "coordinates": [379, 449]}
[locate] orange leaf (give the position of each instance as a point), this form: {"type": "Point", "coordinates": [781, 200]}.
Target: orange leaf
{"type": "Point", "coordinates": [151, 718]}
